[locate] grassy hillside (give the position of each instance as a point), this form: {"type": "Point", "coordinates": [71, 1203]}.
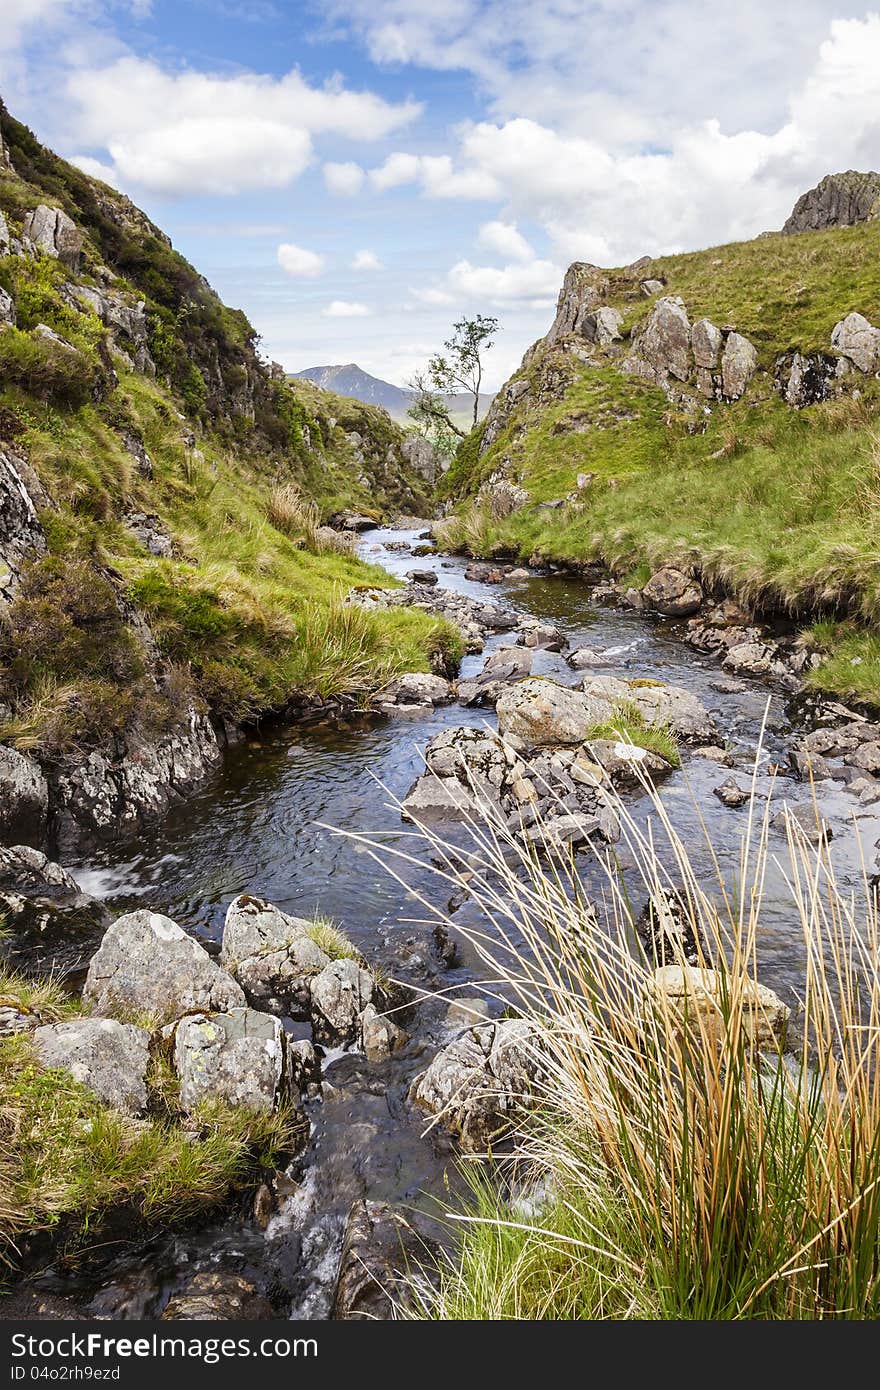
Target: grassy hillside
{"type": "Point", "coordinates": [779, 505]}
{"type": "Point", "coordinates": [245, 608]}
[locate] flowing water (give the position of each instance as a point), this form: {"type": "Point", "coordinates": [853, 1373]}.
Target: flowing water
{"type": "Point", "coordinates": [262, 827]}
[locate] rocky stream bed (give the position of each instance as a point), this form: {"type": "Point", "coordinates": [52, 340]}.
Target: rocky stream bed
{"type": "Point", "coordinates": [257, 852]}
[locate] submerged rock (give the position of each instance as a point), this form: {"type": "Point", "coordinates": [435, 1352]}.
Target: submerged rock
{"type": "Point", "coordinates": [480, 1082]}
{"type": "Point", "coordinates": [109, 1058]}
{"type": "Point", "coordinates": [218, 1295]}
{"type": "Point", "coordinates": [381, 1248]}
{"type": "Point", "coordinates": [503, 666]}
{"type": "Point", "coordinates": [147, 964]}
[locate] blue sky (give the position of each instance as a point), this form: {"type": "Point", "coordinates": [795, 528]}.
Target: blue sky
{"type": "Point", "coordinates": [357, 175]}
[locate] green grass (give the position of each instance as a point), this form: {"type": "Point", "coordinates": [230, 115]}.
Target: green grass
{"type": "Point", "coordinates": [626, 723]}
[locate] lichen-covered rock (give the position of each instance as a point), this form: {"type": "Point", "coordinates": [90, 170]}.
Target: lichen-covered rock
{"type": "Point", "coordinates": [859, 341]}
{"type": "Point", "coordinates": [339, 995]}
{"type": "Point", "coordinates": [53, 232]}
{"type": "Point", "coordinates": [126, 322]}
{"type": "Point", "coordinates": [7, 306]}
{"type": "Point", "coordinates": [380, 1036]}
{"type": "Point", "coordinates": [675, 594]}
{"type": "Point", "coordinates": [602, 325]}
{"type": "Point", "coordinates": [657, 703]}
{"type": "Point", "coordinates": [481, 1081]}
{"type": "Point", "coordinates": [739, 362]}
{"type": "Point", "coordinates": [706, 342]}
{"type": "Point", "coordinates": [238, 1058]}
{"type": "Point", "coordinates": [147, 964]}
{"type": "Point", "coordinates": [271, 955]}
{"type": "Point", "coordinates": [694, 996]}
{"type": "Point", "coordinates": [421, 455]}
{"type": "Point", "coordinates": [109, 1058]}
{"type": "Point", "coordinates": [661, 343]}
{"type": "Point", "coordinates": [542, 713]}
{"type": "Point", "coordinates": [24, 798]}
{"type": "Point", "coordinates": [582, 291]}
{"type": "Point", "coordinates": [806, 380]}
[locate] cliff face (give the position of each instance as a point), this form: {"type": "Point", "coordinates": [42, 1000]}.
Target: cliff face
{"type": "Point", "coordinates": [164, 573]}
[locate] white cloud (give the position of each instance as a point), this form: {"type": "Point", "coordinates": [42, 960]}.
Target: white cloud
{"type": "Point", "coordinates": [504, 238]}
{"type": "Point", "coordinates": [436, 175]}
{"type": "Point", "coordinates": [366, 260]}
{"type": "Point", "coordinates": [95, 169]}
{"type": "Point", "coordinates": [535, 283]}
{"type": "Point", "coordinates": [345, 179]}
{"type": "Point", "coordinates": [184, 132]}
{"type": "Point", "coordinates": [345, 309]}
{"type": "Point", "coordinates": [297, 261]}
{"type": "Point", "coordinates": [433, 297]}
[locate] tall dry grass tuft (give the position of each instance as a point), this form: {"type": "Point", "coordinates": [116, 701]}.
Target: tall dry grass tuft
{"type": "Point", "coordinates": [294, 515]}
{"type": "Point", "coordinates": [684, 1165]}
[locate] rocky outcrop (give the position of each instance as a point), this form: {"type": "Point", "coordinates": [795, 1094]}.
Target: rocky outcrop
{"type": "Point", "coordinates": [7, 306]}
{"type": "Point", "coordinates": [603, 325]}
{"type": "Point", "coordinates": [807, 379]}
{"type": "Point", "coordinates": [146, 964]}
{"type": "Point", "coordinates": [24, 798]}
{"type": "Point", "coordinates": [581, 293]}
{"type": "Point", "coordinates": [109, 1058]}
{"type": "Point", "coordinates": [126, 322]}
{"type": "Point", "coordinates": [54, 233]}
{"type": "Point", "coordinates": [706, 343]}
{"type": "Point", "coordinates": [672, 593]}
{"type": "Point", "coordinates": [739, 362]}
{"type": "Point", "coordinates": [481, 1082]}
{"type": "Point", "coordinates": [660, 345]}
{"type": "Point", "coordinates": [838, 200]}
{"type": "Point", "coordinates": [858, 341]}
{"type": "Point", "coordinates": [239, 1058]}
{"type": "Point", "coordinates": [421, 456]}
{"type": "Point", "coordinates": [21, 534]}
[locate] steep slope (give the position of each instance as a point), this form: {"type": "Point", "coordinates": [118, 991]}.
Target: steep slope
{"type": "Point", "coordinates": [164, 574]}
{"type": "Point", "coordinates": [717, 411]}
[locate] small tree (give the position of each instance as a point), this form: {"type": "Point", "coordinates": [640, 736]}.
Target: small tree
{"type": "Point", "coordinates": [457, 370]}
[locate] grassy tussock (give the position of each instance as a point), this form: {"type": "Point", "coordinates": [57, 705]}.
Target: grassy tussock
{"type": "Point", "coordinates": [677, 1169]}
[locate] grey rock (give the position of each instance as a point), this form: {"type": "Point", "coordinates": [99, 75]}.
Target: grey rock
{"type": "Point", "coordinates": [53, 232]}
{"type": "Point", "coordinates": [859, 341]}
{"type": "Point", "coordinates": [650, 287]}
{"type": "Point", "coordinates": [481, 1081]}
{"type": "Point", "coordinates": [340, 993]}
{"type": "Point", "coordinates": [659, 704]}
{"type": "Point", "coordinates": [582, 291]}
{"type": "Point", "coordinates": [706, 342]}
{"type": "Point", "coordinates": [866, 757]}
{"type": "Point", "coordinates": [626, 764]}
{"type": "Point", "coordinates": [807, 820]}
{"type": "Point", "coordinates": [542, 713]}
{"type": "Point", "coordinates": [753, 659]}
{"type": "Point", "coordinates": [660, 344]}
{"type": "Point", "coordinates": [435, 798]}
{"type": "Point", "coordinates": [602, 325]}
{"type": "Point", "coordinates": [733, 794]}
{"type": "Point", "coordinates": [421, 455]}
{"type": "Point", "coordinates": [109, 1058]}
{"type": "Point", "coordinates": [149, 532]}
{"type": "Point", "coordinates": [838, 200]}
{"type": "Point", "coordinates": [380, 1036]}
{"type": "Point", "coordinates": [806, 380]}
{"type": "Point", "coordinates": [147, 964]}
{"type": "Point", "coordinates": [218, 1295]}
{"type": "Point", "coordinates": [541, 636]}
{"type": "Point", "coordinates": [270, 955]}
{"type": "Point", "coordinates": [238, 1058]}
{"type": "Point", "coordinates": [418, 688]}
{"type": "Point", "coordinates": [675, 594]}
{"type": "Point", "coordinates": [428, 577]}
{"type": "Point", "coordinates": [7, 307]}
{"type": "Point", "coordinates": [500, 668]}
{"type": "Point", "coordinates": [806, 765]}
{"type": "Point", "coordinates": [24, 797]}
{"type": "Point", "coordinates": [21, 535]}
{"type": "Point", "coordinates": [380, 1249]}
{"type": "Point", "coordinates": [125, 320]}
{"type": "Point", "coordinates": [739, 362]}
{"type": "Point", "coordinates": [584, 658]}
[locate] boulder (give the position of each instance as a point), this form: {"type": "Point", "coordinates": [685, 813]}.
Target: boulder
{"type": "Point", "coordinates": [695, 994]}
{"type": "Point", "coordinates": [109, 1058]}
{"type": "Point", "coordinates": [53, 232]}
{"type": "Point", "coordinates": [271, 955]}
{"type": "Point", "coordinates": [237, 1058]}
{"type": "Point", "coordinates": [739, 362]}
{"type": "Point", "coordinates": [806, 380]}
{"type": "Point", "coordinates": [481, 1081]}
{"type": "Point", "coordinates": [542, 713]}
{"type": "Point", "coordinates": [24, 797]}
{"type": "Point", "coordinates": [380, 1036]}
{"type": "Point", "coordinates": [584, 658]}
{"type": "Point", "coordinates": [56, 926]}
{"type": "Point", "coordinates": [147, 964]}
{"type": "Point", "coordinates": [806, 820]}
{"type": "Point", "coordinates": [7, 307]}
{"type": "Point", "coordinates": [418, 688]}
{"type": "Point", "coordinates": [651, 287]}
{"type": "Point", "coordinates": [706, 343]}
{"type": "Point", "coordinates": [218, 1295]}
{"type": "Point", "coordinates": [657, 703]}
{"type": "Point", "coordinates": [352, 521]}
{"type": "Point", "coordinates": [672, 593]}
{"type": "Point", "coordinates": [339, 995]}
{"type": "Point", "coordinates": [753, 659]}
{"type": "Point", "coordinates": [421, 456]}
{"type": "Point", "coordinates": [661, 343]}
{"type": "Point", "coordinates": [838, 200]}
{"type": "Point", "coordinates": [434, 798]}
{"type": "Point", "coordinates": [733, 794]}
{"type": "Point", "coordinates": [625, 764]}
{"type": "Point", "coordinates": [859, 341]}
{"type": "Point", "coordinates": [602, 325]}
{"type": "Point", "coordinates": [866, 757]}
{"type": "Point", "coordinates": [503, 666]}
{"type": "Point", "coordinates": [428, 577]}
{"type": "Point", "coordinates": [545, 637]}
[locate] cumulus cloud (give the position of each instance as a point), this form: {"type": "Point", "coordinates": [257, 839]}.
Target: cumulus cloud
{"type": "Point", "coordinates": [297, 261]}
{"type": "Point", "coordinates": [436, 175]}
{"type": "Point", "coordinates": [345, 179]}
{"type": "Point", "coordinates": [346, 309]}
{"type": "Point", "coordinates": [183, 132]}
{"type": "Point", "coordinates": [535, 283]}
{"type": "Point", "coordinates": [366, 260]}
{"type": "Point", "coordinates": [95, 169]}
{"type": "Point", "coordinates": [503, 238]}
{"type": "Point", "coordinates": [433, 297]}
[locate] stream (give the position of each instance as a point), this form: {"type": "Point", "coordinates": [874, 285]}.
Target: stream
{"type": "Point", "coordinates": [258, 828]}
